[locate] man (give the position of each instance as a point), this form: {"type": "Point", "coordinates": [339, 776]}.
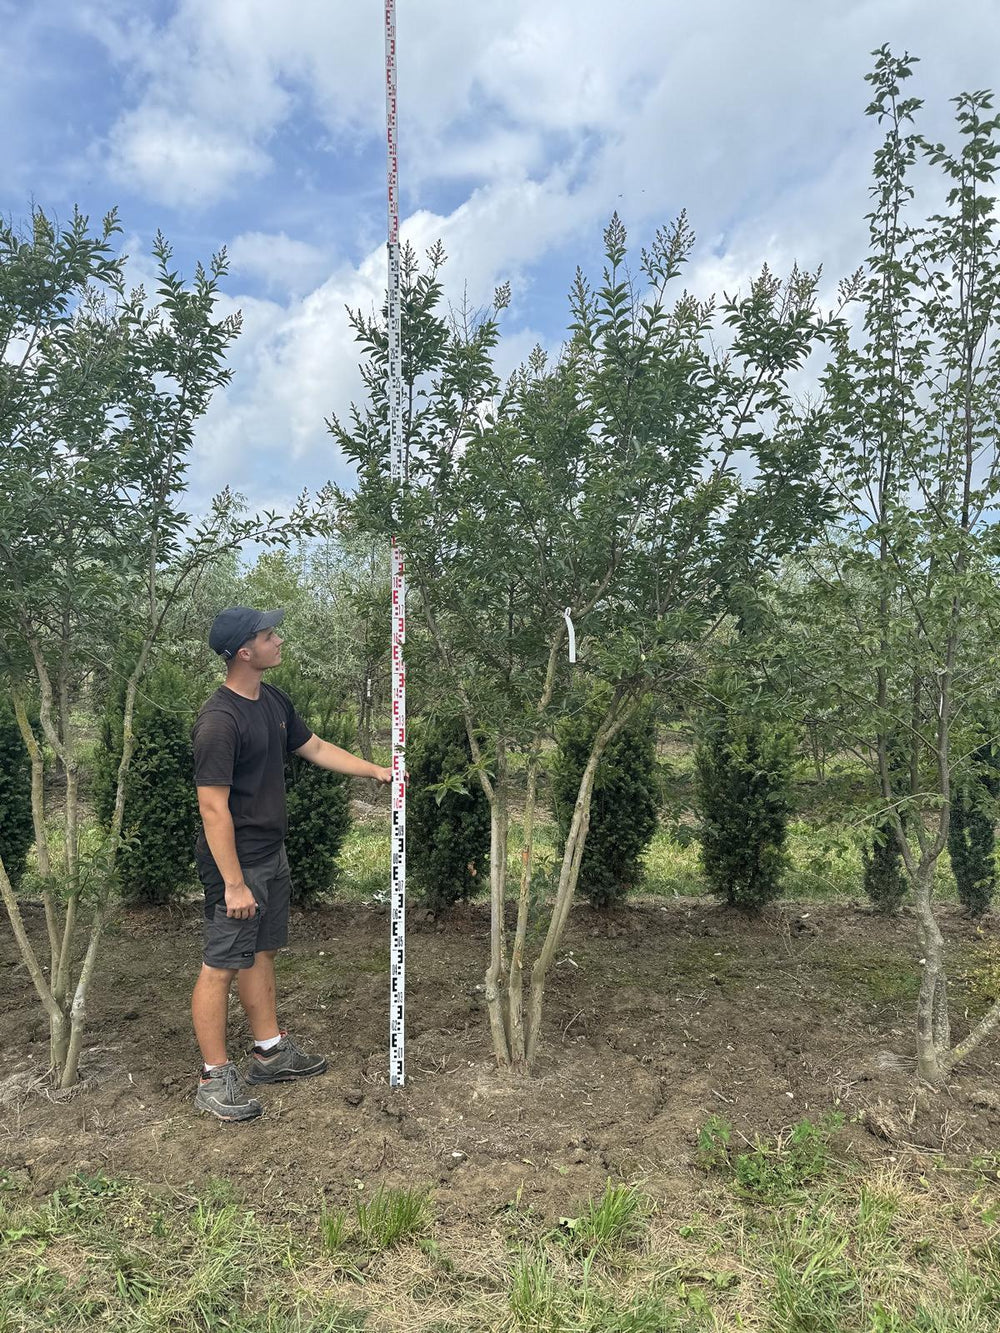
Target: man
{"type": "Point", "coordinates": [241, 737]}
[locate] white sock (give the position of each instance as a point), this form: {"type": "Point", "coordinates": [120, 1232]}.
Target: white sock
{"type": "Point", "coordinates": [210, 1069]}
{"type": "Point", "coordinates": [268, 1043]}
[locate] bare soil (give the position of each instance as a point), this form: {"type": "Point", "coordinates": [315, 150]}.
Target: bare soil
{"type": "Point", "coordinates": [657, 1017]}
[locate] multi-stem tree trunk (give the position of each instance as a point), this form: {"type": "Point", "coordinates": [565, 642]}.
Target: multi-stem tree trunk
{"type": "Point", "coordinates": [65, 1004]}
{"type": "Point", "coordinates": [515, 1034]}
{"type": "Point", "coordinates": [569, 872]}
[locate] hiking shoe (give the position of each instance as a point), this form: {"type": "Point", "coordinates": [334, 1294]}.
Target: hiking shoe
{"type": "Point", "coordinates": [283, 1062]}
{"type": "Point", "coordinates": [223, 1093]}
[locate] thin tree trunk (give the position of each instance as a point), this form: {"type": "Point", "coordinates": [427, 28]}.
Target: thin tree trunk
{"type": "Point", "coordinates": [364, 718]}
{"type": "Point", "coordinates": [54, 1012]}
{"type": "Point", "coordinates": [515, 1009]}
{"type": "Point", "coordinates": [496, 972]}
{"type": "Point", "coordinates": [516, 984]}
{"type": "Point", "coordinates": [38, 822]}
{"type": "Point", "coordinates": [78, 1009]}
{"type": "Point", "coordinates": [986, 1025]}
{"type": "Point", "coordinates": [932, 982]}
{"type": "Point", "coordinates": [569, 872]}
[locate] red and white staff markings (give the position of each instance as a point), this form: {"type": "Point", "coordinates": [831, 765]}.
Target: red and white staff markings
{"type": "Point", "coordinates": [397, 470]}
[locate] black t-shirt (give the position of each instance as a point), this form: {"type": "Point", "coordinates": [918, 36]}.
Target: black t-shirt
{"type": "Point", "coordinates": [241, 744]}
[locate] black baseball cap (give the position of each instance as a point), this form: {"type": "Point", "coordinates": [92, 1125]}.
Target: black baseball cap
{"type": "Point", "coordinates": [233, 627]}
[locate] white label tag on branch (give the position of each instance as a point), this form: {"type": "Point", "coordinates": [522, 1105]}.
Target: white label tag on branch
{"type": "Point", "coordinates": [572, 636]}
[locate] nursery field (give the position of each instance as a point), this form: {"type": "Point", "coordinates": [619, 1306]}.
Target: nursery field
{"type": "Point", "coordinates": [702, 611]}
{"type": "Point", "coordinates": [723, 1131]}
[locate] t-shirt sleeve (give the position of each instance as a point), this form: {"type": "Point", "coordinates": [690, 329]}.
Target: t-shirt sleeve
{"type": "Point", "coordinates": [296, 730]}
{"type": "Point", "coordinates": [215, 741]}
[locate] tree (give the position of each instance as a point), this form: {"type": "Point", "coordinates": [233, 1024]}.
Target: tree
{"type": "Point", "coordinates": [972, 832]}
{"type": "Point", "coordinates": [318, 801]}
{"type": "Point", "coordinates": [882, 864]}
{"type": "Point", "coordinates": [602, 488]}
{"type": "Point", "coordinates": [624, 806]}
{"type": "Point", "coordinates": [15, 796]}
{"type": "Point", "coordinates": [447, 816]}
{"type": "Point", "coordinates": [100, 392]}
{"type": "Point", "coordinates": [886, 624]}
{"type": "Point", "coordinates": [156, 857]}
{"type": "Point", "coordinates": [743, 767]}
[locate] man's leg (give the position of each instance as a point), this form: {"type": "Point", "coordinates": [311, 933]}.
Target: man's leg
{"type": "Point", "coordinates": [209, 1010]}
{"type": "Point", "coordinates": [257, 996]}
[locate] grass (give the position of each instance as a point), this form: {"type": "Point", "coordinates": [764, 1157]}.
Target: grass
{"type": "Point", "coordinates": [391, 1217]}
{"type": "Point", "coordinates": [611, 1225]}
{"type": "Point", "coordinates": [780, 1238]}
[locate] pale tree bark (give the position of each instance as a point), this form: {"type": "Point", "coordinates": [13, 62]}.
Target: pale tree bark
{"type": "Point", "coordinates": [38, 823]}
{"type": "Point", "coordinates": [515, 1002]}
{"type": "Point", "coordinates": [929, 1050]}
{"type": "Point", "coordinates": [496, 974]}
{"type": "Point", "coordinates": [58, 1032]}
{"type": "Point", "coordinates": [569, 871]}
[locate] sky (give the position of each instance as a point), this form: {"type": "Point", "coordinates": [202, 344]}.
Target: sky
{"type": "Point", "coordinates": [260, 126]}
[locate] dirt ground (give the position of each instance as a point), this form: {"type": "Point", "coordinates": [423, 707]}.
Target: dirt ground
{"type": "Point", "coordinates": [656, 1018]}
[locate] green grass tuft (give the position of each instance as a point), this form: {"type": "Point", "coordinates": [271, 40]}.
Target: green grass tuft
{"type": "Point", "coordinates": [392, 1216]}
{"type": "Point", "coordinates": [612, 1224]}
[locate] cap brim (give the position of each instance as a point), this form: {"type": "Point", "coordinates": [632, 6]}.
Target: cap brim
{"type": "Point", "coordinates": [269, 619]}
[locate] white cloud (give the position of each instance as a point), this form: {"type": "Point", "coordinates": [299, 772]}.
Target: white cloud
{"type": "Point", "coordinates": [750, 116]}
{"type": "Point", "coordinates": [278, 261]}
{"type": "Point", "coordinates": [178, 159]}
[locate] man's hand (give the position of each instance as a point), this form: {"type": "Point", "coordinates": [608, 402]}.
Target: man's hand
{"type": "Point", "coordinates": [384, 775]}
{"type": "Point", "coordinates": [240, 902]}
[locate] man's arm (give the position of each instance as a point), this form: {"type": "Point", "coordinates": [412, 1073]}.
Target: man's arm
{"type": "Point", "coordinates": [213, 803]}
{"type": "Point", "coordinates": [325, 755]}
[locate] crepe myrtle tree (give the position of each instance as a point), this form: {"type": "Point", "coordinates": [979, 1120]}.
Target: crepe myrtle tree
{"type": "Point", "coordinates": [604, 485]}
{"type": "Point", "coordinates": [100, 391]}
{"type": "Point", "coordinates": [889, 622]}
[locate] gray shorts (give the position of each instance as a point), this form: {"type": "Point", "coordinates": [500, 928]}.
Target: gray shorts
{"type": "Point", "coordinates": [228, 943]}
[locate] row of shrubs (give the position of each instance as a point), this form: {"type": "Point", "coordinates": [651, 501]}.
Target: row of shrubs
{"type": "Point", "coordinates": [743, 769]}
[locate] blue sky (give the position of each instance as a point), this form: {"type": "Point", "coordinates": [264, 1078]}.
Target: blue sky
{"type": "Point", "coordinates": [259, 126]}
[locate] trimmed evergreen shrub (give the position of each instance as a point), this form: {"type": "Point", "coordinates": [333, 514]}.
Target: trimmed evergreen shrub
{"type": "Point", "coordinates": [971, 833]}
{"type": "Point", "coordinates": [743, 772]}
{"type": "Point", "coordinates": [624, 805]}
{"type": "Point", "coordinates": [318, 801]}
{"type": "Point", "coordinates": [16, 828]}
{"type": "Point", "coordinates": [884, 881]}
{"type": "Point", "coordinates": [447, 818]}
{"type": "Point", "coordinates": [156, 859]}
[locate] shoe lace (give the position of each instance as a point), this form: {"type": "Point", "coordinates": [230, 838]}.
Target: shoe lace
{"type": "Point", "coordinates": [234, 1082]}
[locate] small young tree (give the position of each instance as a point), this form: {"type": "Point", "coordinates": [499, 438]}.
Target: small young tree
{"type": "Point", "coordinates": [882, 867]}
{"type": "Point", "coordinates": [156, 858]}
{"type": "Point", "coordinates": [100, 392]}
{"type": "Point", "coordinates": [972, 832]}
{"type": "Point", "coordinates": [882, 862]}
{"type": "Point", "coordinates": [447, 817]}
{"type": "Point", "coordinates": [16, 833]}
{"type": "Point", "coordinates": [318, 802]}
{"type": "Point", "coordinates": [624, 803]}
{"type": "Point", "coordinates": [887, 626]}
{"type": "Point", "coordinates": [743, 767]}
